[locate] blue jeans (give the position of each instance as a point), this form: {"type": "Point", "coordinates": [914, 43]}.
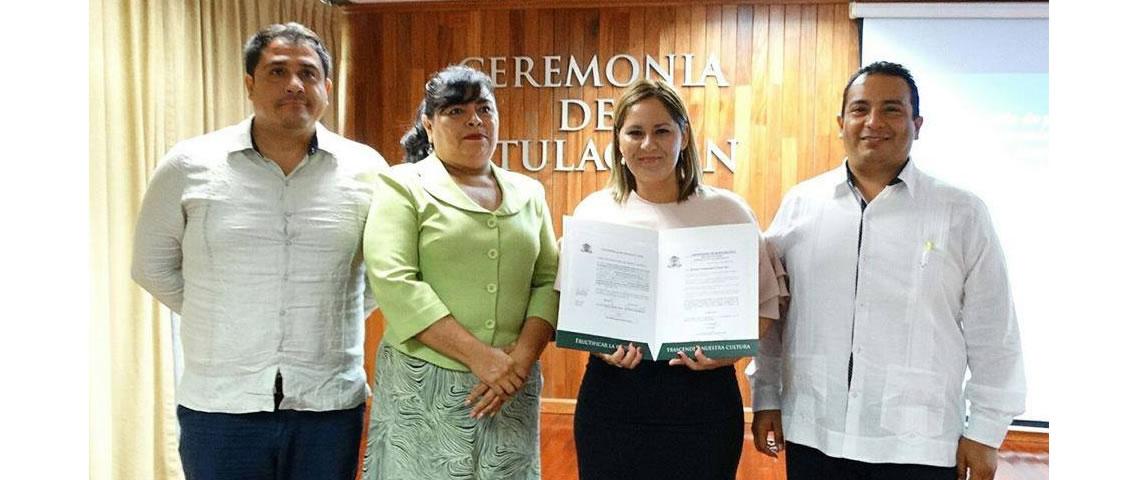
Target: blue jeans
{"type": "Point", "coordinates": [281, 445]}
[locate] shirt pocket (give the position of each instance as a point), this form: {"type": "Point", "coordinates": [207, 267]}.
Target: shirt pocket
{"type": "Point", "coordinates": [807, 386]}
{"type": "Point", "coordinates": [913, 402]}
{"type": "Point", "coordinates": [938, 276]}
{"type": "Point", "coordinates": [939, 284]}
{"type": "Point", "coordinates": [239, 219]}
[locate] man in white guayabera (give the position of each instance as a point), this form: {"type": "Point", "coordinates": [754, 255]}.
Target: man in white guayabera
{"type": "Point", "coordinates": [898, 287]}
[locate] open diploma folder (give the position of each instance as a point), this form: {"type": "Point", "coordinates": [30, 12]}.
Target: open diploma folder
{"type": "Point", "coordinates": [663, 290]}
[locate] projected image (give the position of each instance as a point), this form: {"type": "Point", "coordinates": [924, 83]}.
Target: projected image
{"type": "Point", "coordinates": [984, 90]}
{"type": "Point", "coordinates": [983, 127]}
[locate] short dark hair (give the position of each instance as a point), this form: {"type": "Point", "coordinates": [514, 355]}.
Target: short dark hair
{"type": "Point", "coordinates": [291, 32]}
{"type": "Point", "coordinates": [454, 85]}
{"type": "Point", "coordinates": [889, 69]}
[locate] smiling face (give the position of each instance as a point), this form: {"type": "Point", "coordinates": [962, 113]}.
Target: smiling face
{"type": "Point", "coordinates": [650, 142]}
{"type": "Point", "coordinates": [288, 88]}
{"type": "Point", "coordinates": [465, 133]}
{"type": "Point", "coordinates": [878, 123]}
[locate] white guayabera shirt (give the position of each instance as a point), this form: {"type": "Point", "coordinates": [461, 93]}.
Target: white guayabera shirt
{"type": "Point", "coordinates": [890, 305]}
{"type": "Point", "coordinates": [266, 270]}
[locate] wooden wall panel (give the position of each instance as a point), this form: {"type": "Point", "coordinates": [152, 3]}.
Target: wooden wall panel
{"type": "Point", "coordinates": [786, 64]}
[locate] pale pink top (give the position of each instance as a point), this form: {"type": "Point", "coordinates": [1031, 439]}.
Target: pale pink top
{"type": "Point", "coordinates": [708, 206]}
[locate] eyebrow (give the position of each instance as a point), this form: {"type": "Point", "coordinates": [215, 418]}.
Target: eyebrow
{"type": "Point", "coordinates": [478, 102]}
{"type": "Point", "coordinates": [892, 101]}
{"type": "Point", "coordinates": [305, 63]}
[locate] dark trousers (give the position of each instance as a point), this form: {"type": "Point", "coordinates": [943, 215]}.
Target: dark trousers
{"type": "Point", "coordinates": [616, 451]}
{"type": "Point", "coordinates": [280, 445]}
{"type": "Point", "coordinates": [806, 463]}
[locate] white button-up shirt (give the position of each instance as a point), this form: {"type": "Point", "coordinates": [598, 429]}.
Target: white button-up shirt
{"type": "Point", "coordinates": [912, 291]}
{"type": "Point", "coordinates": [265, 269]}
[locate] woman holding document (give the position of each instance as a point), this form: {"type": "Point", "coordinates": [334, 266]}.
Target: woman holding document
{"type": "Point", "coordinates": [461, 258]}
{"type": "Point", "coordinates": [682, 418]}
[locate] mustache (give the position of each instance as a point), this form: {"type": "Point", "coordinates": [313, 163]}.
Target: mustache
{"type": "Point", "coordinates": [292, 98]}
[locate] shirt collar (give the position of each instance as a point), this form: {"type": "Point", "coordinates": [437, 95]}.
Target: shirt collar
{"type": "Point", "coordinates": [439, 184]}
{"type": "Point", "coordinates": [909, 177]}
{"type": "Point", "coordinates": [245, 141]}
{"type": "Point", "coordinates": [844, 180]}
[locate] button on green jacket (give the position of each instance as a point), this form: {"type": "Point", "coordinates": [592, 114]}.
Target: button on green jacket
{"type": "Point", "coordinates": [432, 251]}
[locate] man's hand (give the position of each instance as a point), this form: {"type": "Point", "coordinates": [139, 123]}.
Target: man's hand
{"type": "Point", "coordinates": [700, 361]}
{"type": "Point", "coordinates": [979, 460]}
{"type": "Point", "coordinates": [623, 357]}
{"type": "Point", "coordinates": [767, 422]}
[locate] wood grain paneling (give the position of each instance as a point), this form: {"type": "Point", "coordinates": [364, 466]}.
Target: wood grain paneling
{"type": "Point", "coordinates": [786, 64]}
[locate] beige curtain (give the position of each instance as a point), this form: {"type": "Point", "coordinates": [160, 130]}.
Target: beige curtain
{"type": "Point", "coordinates": [160, 72]}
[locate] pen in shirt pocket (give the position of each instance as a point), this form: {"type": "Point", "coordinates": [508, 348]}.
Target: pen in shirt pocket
{"type": "Point", "coordinates": [926, 248]}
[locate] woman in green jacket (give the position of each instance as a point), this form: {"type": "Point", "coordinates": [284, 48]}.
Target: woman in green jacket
{"type": "Point", "coordinates": [461, 258]}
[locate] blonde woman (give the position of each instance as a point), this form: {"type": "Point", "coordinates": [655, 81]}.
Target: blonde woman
{"type": "Point", "coordinates": [680, 418]}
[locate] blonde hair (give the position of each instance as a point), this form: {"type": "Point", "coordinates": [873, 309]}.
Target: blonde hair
{"type": "Point", "coordinates": [688, 171]}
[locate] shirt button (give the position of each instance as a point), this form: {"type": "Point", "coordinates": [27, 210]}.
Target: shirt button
{"type": "Point", "coordinates": [492, 288]}
{"type": "Point", "coordinates": [281, 313]}
{"type": "Point", "coordinates": [288, 243]}
{"type": "Point", "coordinates": [490, 324]}
{"type": "Point", "coordinates": [492, 254]}
{"type": "Point", "coordinates": [492, 222]}
{"type": "Point", "coordinates": [288, 214]}
{"type": "Point", "coordinates": [858, 350]}
{"type": "Point", "coordinates": [854, 394]}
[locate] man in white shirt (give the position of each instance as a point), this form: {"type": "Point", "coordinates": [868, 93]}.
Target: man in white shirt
{"type": "Point", "coordinates": [898, 287]}
{"type": "Point", "coordinates": [253, 234]}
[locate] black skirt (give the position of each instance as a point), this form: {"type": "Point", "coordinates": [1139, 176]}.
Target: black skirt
{"type": "Point", "coordinates": [658, 421]}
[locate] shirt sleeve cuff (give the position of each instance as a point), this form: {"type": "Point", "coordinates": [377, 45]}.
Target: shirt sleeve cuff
{"type": "Point", "coordinates": [987, 431]}
{"type": "Point", "coordinates": [765, 398]}
{"type": "Point", "coordinates": [411, 324]}
{"type": "Point", "coordinates": [544, 304]}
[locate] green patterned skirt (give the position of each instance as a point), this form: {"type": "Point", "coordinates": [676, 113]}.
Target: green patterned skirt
{"type": "Point", "coordinates": [420, 429]}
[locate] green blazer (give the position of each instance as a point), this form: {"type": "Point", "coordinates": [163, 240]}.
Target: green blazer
{"type": "Point", "coordinates": [432, 251]}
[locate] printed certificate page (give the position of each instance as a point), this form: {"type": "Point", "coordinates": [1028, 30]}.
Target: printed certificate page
{"type": "Point", "coordinates": [708, 291]}
{"type": "Point", "coordinates": [663, 290]}
{"type": "Point", "coordinates": [608, 282]}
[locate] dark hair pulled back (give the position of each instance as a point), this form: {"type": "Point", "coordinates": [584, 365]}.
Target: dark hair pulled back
{"type": "Point", "coordinates": [454, 85]}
